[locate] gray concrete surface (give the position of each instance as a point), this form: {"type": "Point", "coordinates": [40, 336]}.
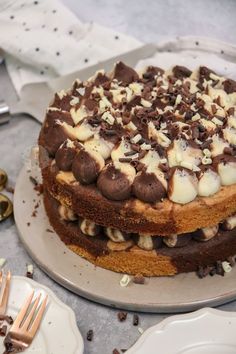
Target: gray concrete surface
{"type": "Point", "coordinates": [148, 21]}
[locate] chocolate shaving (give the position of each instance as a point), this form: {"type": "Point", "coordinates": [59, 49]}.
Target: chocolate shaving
{"type": "Point", "coordinates": [110, 132]}
{"type": "Point", "coordinates": [3, 330]}
{"type": "Point", "coordinates": [90, 335]}
{"type": "Point", "coordinates": [142, 154]}
{"type": "Point", "coordinates": [231, 111]}
{"type": "Point", "coordinates": [29, 275]}
{"type": "Point", "coordinates": [125, 159]}
{"type": "Point", "coordinates": [202, 272]}
{"type": "Point", "coordinates": [39, 188]}
{"type": "Point", "coordinates": [10, 189]}
{"type": "Point", "coordinates": [206, 143]}
{"type": "Point", "coordinates": [33, 180]}
{"type": "Point", "coordinates": [139, 279]}
{"type": "Point", "coordinates": [130, 153]}
{"type": "Point", "coordinates": [115, 351]}
{"type": "Point", "coordinates": [122, 316]}
{"type": "Point", "coordinates": [219, 268]}
{"type": "Point", "coordinates": [135, 320]}
{"type": "Point", "coordinates": [140, 166]}
{"type": "Point", "coordinates": [135, 147]}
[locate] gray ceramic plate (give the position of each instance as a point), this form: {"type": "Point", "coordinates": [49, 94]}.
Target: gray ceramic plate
{"type": "Point", "coordinates": [180, 293]}
{"type": "Point", "coordinates": [184, 292]}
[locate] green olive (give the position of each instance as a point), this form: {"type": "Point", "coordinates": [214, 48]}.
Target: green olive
{"type": "Point", "coordinates": [3, 179]}
{"type": "Point", "coordinates": [6, 207]}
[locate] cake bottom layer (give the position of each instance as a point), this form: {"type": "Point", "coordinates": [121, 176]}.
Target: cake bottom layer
{"type": "Point", "coordinates": [133, 260]}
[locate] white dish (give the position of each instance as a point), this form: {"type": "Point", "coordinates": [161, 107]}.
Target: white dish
{"type": "Point", "coordinates": [206, 331]}
{"type": "Point", "coordinates": [58, 333]}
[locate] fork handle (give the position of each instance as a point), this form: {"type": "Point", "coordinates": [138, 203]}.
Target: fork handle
{"type": "Point", "coordinates": [4, 113]}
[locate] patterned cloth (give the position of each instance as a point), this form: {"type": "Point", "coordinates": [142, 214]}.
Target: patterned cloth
{"type": "Point", "coordinates": [42, 39]}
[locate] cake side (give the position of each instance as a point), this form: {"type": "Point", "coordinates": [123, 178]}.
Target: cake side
{"type": "Point", "coordinates": [129, 258]}
{"type": "Point", "coordinates": [162, 219]}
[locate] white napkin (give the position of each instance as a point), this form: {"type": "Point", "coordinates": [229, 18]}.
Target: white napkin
{"type": "Point", "coordinates": [43, 39]}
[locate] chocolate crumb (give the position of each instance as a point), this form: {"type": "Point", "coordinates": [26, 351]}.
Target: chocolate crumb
{"type": "Point", "coordinates": [3, 331]}
{"type": "Point", "coordinates": [122, 316]}
{"type": "Point", "coordinates": [115, 351]}
{"type": "Point", "coordinates": [135, 320]}
{"type": "Point", "coordinates": [10, 189]}
{"type": "Point", "coordinates": [139, 279]}
{"type": "Point", "coordinates": [28, 223]}
{"type": "Point", "coordinates": [48, 230]}
{"type": "Point", "coordinates": [124, 350]}
{"type": "Point", "coordinates": [34, 214]}
{"type": "Point", "coordinates": [130, 153]}
{"type": "Point", "coordinates": [33, 180]}
{"type": "Point", "coordinates": [29, 275]}
{"type": "Point", "coordinates": [90, 335]}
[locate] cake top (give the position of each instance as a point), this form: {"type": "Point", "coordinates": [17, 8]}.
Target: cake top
{"type": "Point", "coordinates": [150, 135]}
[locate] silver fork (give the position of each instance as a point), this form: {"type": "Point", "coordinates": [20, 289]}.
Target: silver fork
{"type": "Point", "coordinates": [5, 287]}
{"type": "Point", "coordinates": [25, 325]}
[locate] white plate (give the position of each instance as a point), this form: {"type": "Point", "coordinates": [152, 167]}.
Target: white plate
{"type": "Point", "coordinates": [184, 292]}
{"type": "Point", "coordinates": [206, 331]}
{"type": "Point", "coordinates": [58, 333]}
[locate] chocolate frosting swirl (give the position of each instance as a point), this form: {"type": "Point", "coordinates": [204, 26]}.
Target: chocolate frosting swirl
{"type": "Point", "coordinates": [148, 188]}
{"type": "Point", "coordinates": [85, 168]}
{"type": "Point", "coordinates": [64, 157]}
{"type": "Point", "coordinates": [181, 71]}
{"type": "Point", "coordinates": [54, 137]}
{"type": "Point", "coordinates": [229, 86]}
{"type": "Point", "coordinates": [52, 116]}
{"type": "Point", "coordinates": [125, 74]}
{"type": "Point", "coordinates": [114, 184]}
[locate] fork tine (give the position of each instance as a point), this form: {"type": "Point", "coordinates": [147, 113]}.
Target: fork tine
{"type": "Point", "coordinates": [5, 293]}
{"type": "Point", "coordinates": [31, 314]}
{"type": "Point", "coordinates": [22, 312]}
{"type": "Point", "coordinates": [35, 325]}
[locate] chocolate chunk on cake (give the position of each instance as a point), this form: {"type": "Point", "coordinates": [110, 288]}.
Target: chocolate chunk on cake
{"type": "Point", "coordinates": [139, 169]}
